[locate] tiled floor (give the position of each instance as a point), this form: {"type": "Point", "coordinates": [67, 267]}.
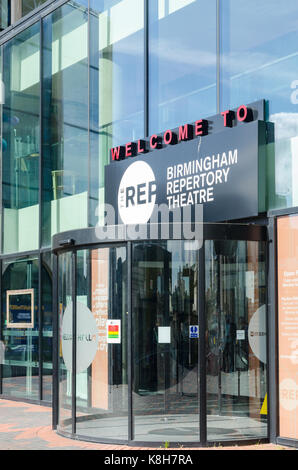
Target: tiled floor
{"type": "Point", "coordinates": [28, 427]}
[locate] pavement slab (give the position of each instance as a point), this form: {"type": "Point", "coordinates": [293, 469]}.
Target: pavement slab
{"type": "Point", "coordinates": [24, 426]}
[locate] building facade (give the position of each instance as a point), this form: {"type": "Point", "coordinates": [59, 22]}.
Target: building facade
{"type": "Point", "coordinates": [175, 341]}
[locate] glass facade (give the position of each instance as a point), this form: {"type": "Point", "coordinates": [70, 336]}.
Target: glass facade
{"type": "Point", "coordinates": [93, 74]}
{"type": "Point", "coordinates": [93, 91]}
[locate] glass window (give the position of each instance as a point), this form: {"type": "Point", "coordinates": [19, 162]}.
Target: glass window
{"type": "Point", "coordinates": [21, 125]}
{"type": "Point", "coordinates": [65, 121]}
{"type": "Point", "coordinates": [20, 331]}
{"type": "Point", "coordinates": [259, 58]}
{"type": "Point", "coordinates": [116, 85]}
{"type": "Point", "coordinates": [182, 62]}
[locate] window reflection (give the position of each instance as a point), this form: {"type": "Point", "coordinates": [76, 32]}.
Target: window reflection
{"type": "Point", "coordinates": [165, 391]}
{"type": "Point", "coordinates": [116, 85]}
{"type": "Point", "coordinates": [182, 62]}
{"type": "Point", "coordinates": [236, 361]}
{"type": "Point", "coordinates": [259, 61]}
{"type": "Point", "coordinates": [65, 121]}
{"type": "Point", "coordinates": [20, 143]}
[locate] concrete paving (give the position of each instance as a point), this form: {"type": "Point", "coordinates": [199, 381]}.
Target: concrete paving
{"type": "Point", "coordinates": [24, 426]}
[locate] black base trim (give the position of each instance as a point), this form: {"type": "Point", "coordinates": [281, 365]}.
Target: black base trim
{"type": "Point", "coordinates": [173, 445]}
{"type": "Point", "coordinates": [287, 442]}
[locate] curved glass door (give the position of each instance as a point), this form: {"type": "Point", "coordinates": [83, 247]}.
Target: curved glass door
{"type": "Point", "coordinates": [236, 339]}
{"type": "Point", "coordinates": [101, 372]}
{"type": "Point", "coordinates": [94, 389]}
{"type": "Point", "coordinates": [165, 392]}
{"type": "Point", "coordinates": [170, 340]}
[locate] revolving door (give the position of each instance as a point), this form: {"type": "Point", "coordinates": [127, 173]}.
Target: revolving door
{"type": "Point", "coordinates": [170, 338]}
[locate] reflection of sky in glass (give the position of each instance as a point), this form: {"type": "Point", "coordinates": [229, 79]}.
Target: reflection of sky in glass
{"type": "Point", "coordinates": [118, 69]}
{"type": "Point", "coordinates": [259, 60]}
{"type": "Point", "coordinates": [182, 63]}
{"type": "Point", "coordinates": [259, 54]}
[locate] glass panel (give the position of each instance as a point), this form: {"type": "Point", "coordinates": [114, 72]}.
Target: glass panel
{"type": "Point", "coordinates": [47, 326]}
{"type": "Point", "coordinates": [182, 62]}
{"type": "Point", "coordinates": [20, 167]}
{"type": "Point", "coordinates": [65, 343]}
{"type": "Point", "coordinates": [259, 61]}
{"type": "Point", "coordinates": [116, 85]}
{"type": "Point", "coordinates": [65, 121]}
{"type": "Point", "coordinates": [236, 340]}
{"type": "Point", "coordinates": [165, 342]}
{"type": "Point", "coordinates": [20, 331]}
{"type": "Point", "coordinates": [101, 381]}
{"type": "Point", "coordinates": [4, 20]}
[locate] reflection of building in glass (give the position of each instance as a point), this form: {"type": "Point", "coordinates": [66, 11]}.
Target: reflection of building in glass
{"type": "Point", "coordinates": [78, 78]}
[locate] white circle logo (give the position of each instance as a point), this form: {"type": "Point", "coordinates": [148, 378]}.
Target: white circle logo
{"type": "Point", "coordinates": [87, 337]}
{"type": "Point", "coordinates": [257, 336]}
{"type": "Point", "coordinates": [137, 194]}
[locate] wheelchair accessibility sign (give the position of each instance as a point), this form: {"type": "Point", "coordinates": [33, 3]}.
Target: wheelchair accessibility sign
{"type": "Point", "coordinates": [194, 331]}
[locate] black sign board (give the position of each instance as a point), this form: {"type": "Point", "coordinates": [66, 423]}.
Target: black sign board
{"type": "Point", "coordinates": [223, 171]}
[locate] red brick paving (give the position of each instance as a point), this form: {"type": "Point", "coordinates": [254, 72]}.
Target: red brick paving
{"type": "Point", "coordinates": [25, 426]}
